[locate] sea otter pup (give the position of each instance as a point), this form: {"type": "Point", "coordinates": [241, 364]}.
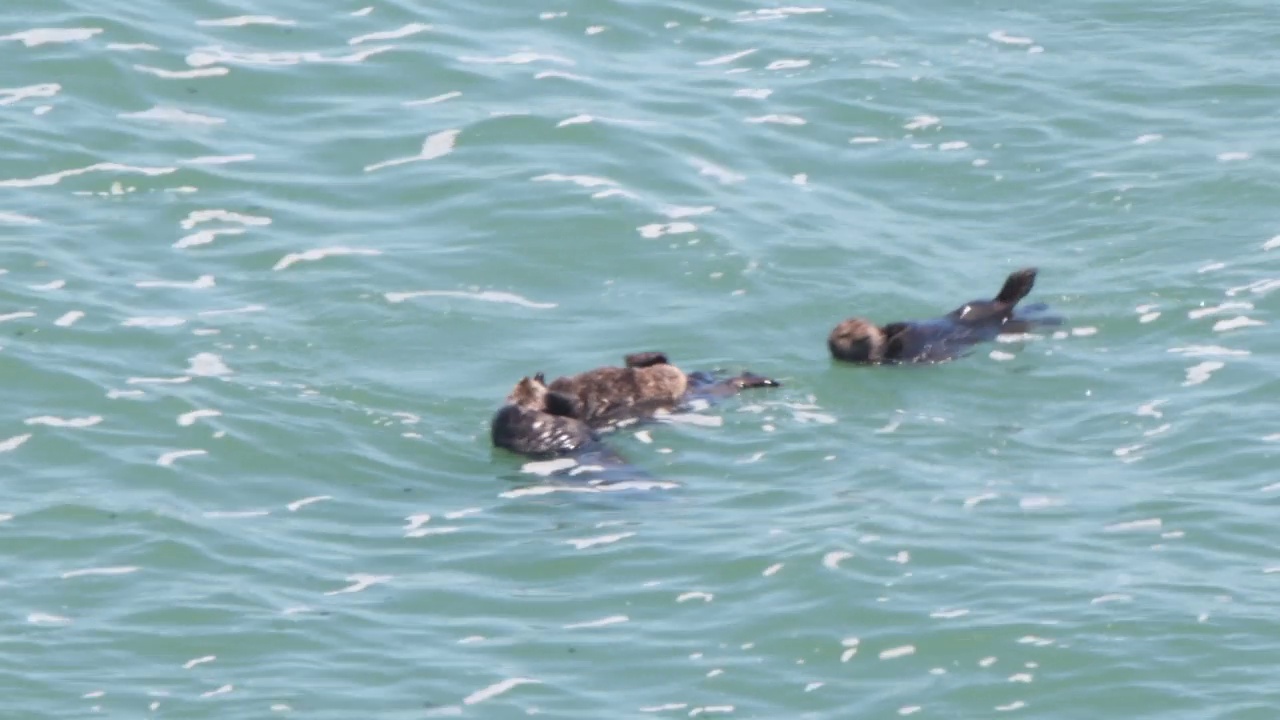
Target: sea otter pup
{"type": "Point", "coordinates": [647, 383]}
{"type": "Point", "coordinates": [939, 339]}
{"type": "Point", "coordinates": [539, 423]}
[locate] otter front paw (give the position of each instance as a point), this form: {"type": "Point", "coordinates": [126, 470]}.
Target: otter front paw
{"type": "Point", "coordinates": [752, 380]}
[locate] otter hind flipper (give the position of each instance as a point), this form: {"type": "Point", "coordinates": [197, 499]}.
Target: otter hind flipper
{"type": "Point", "coordinates": [1017, 286]}
{"type": "Point", "coordinates": [648, 358]}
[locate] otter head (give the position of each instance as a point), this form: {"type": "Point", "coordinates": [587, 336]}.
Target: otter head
{"type": "Point", "coordinates": [661, 381]}
{"type": "Point", "coordinates": [649, 358]}
{"type": "Point", "coordinates": [857, 340]}
{"type": "Point", "coordinates": [530, 393]}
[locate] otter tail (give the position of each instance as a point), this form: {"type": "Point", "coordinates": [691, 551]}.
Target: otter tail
{"type": "Point", "coordinates": [1017, 286]}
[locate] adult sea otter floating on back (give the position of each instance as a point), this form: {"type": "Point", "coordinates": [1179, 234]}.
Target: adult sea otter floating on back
{"type": "Point", "coordinates": [945, 338]}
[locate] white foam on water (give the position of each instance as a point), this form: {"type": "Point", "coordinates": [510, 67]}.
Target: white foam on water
{"type": "Point", "coordinates": [437, 145]}
{"type": "Point", "coordinates": [920, 122]}
{"type": "Point", "coordinates": [833, 559]}
{"type": "Point", "coordinates": [1208, 351]}
{"type": "Point", "coordinates": [897, 652]}
{"type": "Point", "coordinates": [49, 286]}
{"type": "Point", "coordinates": [219, 159]}
{"type": "Point", "coordinates": [776, 119]}
{"type": "Point", "coordinates": [200, 283]}
{"type": "Point", "coordinates": [205, 56]}
{"type": "Point", "coordinates": [360, 582]}
{"type": "Point", "coordinates": [1111, 597]}
{"type": "Point", "coordinates": [519, 58]}
{"type": "Point", "coordinates": [496, 689]}
{"type": "Point", "coordinates": [724, 175]}
{"type": "Point", "coordinates": [39, 618]}
{"type": "Point", "coordinates": [864, 140]}
{"type": "Point", "coordinates": [6, 517]}
{"type": "Point", "coordinates": [198, 661]}
{"type": "Point", "coordinates": [1001, 36]}
{"type": "Point", "coordinates": [1215, 309]}
{"type": "Point", "coordinates": [52, 421]}
{"type": "Point", "coordinates": [1145, 139]}
{"type": "Point", "coordinates": [781, 13]}
{"type": "Point", "coordinates": [243, 20]}
{"type": "Point", "coordinates": [1200, 373]}
{"type": "Point", "coordinates": [297, 505]}
{"type": "Point", "coordinates": [158, 380]}
{"type": "Point", "coordinates": [772, 570]}
{"type": "Point", "coordinates": [231, 311]}
{"type": "Point", "coordinates": [1016, 705]}
{"type": "Point", "coordinates": [1211, 267]}
{"type": "Point", "coordinates": [434, 99]}
{"type": "Point", "coordinates": [9, 96]}
{"type": "Point", "coordinates": [188, 419]}
{"type": "Point", "coordinates": [725, 59]}
{"type": "Point", "coordinates": [787, 64]}
{"type": "Point", "coordinates": [1001, 356]}
{"type": "Point", "coordinates": [320, 254]}
{"type": "Point", "coordinates": [122, 570]}
{"type": "Point", "coordinates": [220, 691]}
{"type": "Point", "coordinates": [1135, 526]}
{"type": "Point", "coordinates": [154, 322]}
{"type": "Point", "coordinates": [602, 622]}
{"type": "Point", "coordinates": [400, 32]}
{"type": "Point", "coordinates": [975, 500]}
{"type": "Point", "coordinates": [695, 595]}
{"type": "Point", "coordinates": [56, 177]}
{"type": "Point", "coordinates": [170, 458]}
{"type": "Point", "coordinates": [954, 145]}
{"type": "Point", "coordinates": [215, 71]}
{"type": "Point", "coordinates": [584, 543]}
{"type": "Point", "coordinates": [17, 219]}
{"type": "Point", "coordinates": [1235, 323]}
{"type": "Point", "coordinates": [1272, 244]}
{"type": "Point", "coordinates": [909, 710]}
{"type": "Point", "coordinates": [656, 230]}
{"type": "Point", "coordinates": [173, 115]}
{"type": "Point", "coordinates": [204, 237]}
{"type": "Point", "coordinates": [41, 36]}
{"type": "Point", "coordinates": [557, 74]}
{"type": "Point", "coordinates": [125, 47]}
{"type": "Point", "coordinates": [586, 181]}
{"type": "Point", "coordinates": [1039, 502]}
{"type": "Point", "coordinates": [207, 365]}
{"type": "Point", "coordinates": [1233, 156]}
{"type": "Point", "coordinates": [486, 296]}
{"type": "Point", "coordinates": [1084, 331]}
{"type": "Point", "coordinates": [14, 442]}
{"type": "Point", "coordinates": [195, 217]}
{"type": "Point", "coordinates": [948, 614]}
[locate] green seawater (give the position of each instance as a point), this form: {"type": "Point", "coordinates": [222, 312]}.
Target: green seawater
{"type": "Point", "coordinates": [269, 267]}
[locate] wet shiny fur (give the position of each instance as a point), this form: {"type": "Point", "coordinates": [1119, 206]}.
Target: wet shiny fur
{"type": "Point", "coordinates": [648, 383]}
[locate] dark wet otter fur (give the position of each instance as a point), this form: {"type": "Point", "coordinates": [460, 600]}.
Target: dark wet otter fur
{"type": "Point", "coordinates": [539, 423]}
{"type": "Point", "coordinates": [948, 337]}
{"type": "Point", "coordinates": [646, 384]}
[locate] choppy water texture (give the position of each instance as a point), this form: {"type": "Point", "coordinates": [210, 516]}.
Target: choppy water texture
{"type": "Point", "coordinates": [268, 268]}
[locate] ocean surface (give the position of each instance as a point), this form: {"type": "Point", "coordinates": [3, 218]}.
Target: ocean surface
{"type": "Point", "coordinates": [268, 268]}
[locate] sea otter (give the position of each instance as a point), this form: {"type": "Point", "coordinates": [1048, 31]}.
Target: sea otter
{"type": "Point", "coordinates": [539, 423]}
{"type": "Point", "coordinates": [647, 383]}
{"type": "Point", "coordinates": [940, 339]}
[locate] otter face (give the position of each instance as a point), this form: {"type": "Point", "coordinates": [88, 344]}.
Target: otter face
{"type": "Point", "coordinates": [857, 340]}
{"type": "Point", "coordinates": [530, 393]}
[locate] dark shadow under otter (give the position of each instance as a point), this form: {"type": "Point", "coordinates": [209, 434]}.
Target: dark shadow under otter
{"type": "Point", "coordinates": [945, 338]}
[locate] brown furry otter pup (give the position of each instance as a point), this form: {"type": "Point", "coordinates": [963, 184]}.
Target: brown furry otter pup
{"type": "Point", "coordinates": [539, 423]}
{"type": "Point", "coordinates": [945, 338]}
{"type": "Point", "coordinates": [647, 383]}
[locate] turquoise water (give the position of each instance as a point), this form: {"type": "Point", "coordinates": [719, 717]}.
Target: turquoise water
{"type": "Point", "coordinates": [270, 267]}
